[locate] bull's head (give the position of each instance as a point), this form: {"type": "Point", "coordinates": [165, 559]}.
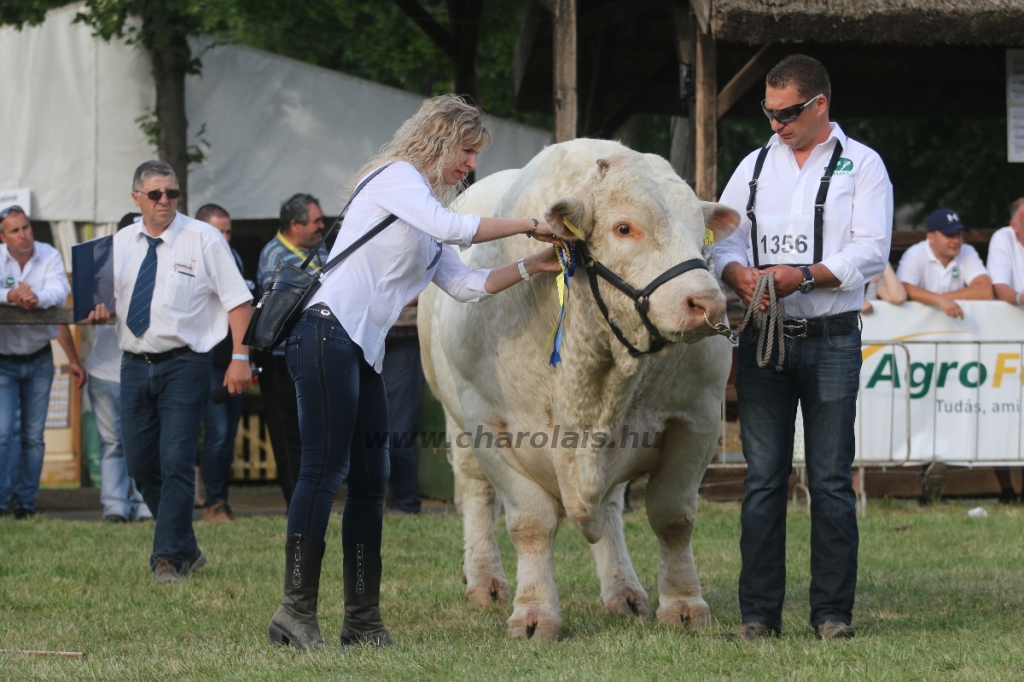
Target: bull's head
{"type": "Point", "coordinates": [641, 222]}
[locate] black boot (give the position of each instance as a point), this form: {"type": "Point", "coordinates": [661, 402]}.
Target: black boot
{"type": "Point", "coordinates": [295, 621]}
{"type": "Point", "coordinates": [362, 600]}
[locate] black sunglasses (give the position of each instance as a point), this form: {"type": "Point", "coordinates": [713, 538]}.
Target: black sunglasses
{"type": "Point", "coordinates": [157, 193]}
{"type": "Point", "coordinates": [7, 210]}
{"type": "Point", "coordinates": [788, 114]}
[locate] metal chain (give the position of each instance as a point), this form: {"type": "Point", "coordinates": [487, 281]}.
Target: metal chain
{"type": "Point", "coordinates": [768, 322]}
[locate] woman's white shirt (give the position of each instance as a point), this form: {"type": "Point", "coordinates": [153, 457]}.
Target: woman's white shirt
{"type": "Point", "coordinates": [368, 290]}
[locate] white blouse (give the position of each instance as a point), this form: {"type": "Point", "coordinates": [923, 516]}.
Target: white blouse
{"type": "Point", "coordinates": [368, 290]}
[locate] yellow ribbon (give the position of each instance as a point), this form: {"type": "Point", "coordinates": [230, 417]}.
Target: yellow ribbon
{"type": "Point", "coordinates": [572, 228]}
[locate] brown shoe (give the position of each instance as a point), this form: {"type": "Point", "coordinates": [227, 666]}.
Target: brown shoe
{"type": "Point", "coordinates": [833, 629]}
{"type": "Point", "coordinates": [216, 513]}
{"type": "Point", "coordinates": [751, 631]}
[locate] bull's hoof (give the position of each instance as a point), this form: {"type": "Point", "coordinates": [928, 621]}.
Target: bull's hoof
{"type": "Point", "coordinates": [494, 591]}
{"type": "Point", "coordinates": [534, 625]}
{"type": "Point", "coordinates": [692, 612]}
{"type": "Point", "coordinates": [629, 601]}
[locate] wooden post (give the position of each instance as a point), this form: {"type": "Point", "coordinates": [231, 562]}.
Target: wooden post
{"type": "Point", "coordinates": [566, 110]}
{"type": "Point", "coordinates": [706, 118]}
{"type": "Point", "coordinates": [681, 149]}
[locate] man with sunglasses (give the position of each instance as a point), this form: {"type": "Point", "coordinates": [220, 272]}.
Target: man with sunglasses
{"type": "Point", "coordinates": [816, 211]}
{"type": "Point", "coordinates": [177, 289]}
{"type": "Point", "coordinates": [32, 277]}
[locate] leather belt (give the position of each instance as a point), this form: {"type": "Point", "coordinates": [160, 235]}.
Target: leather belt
{"type": "Point", "coordinates": [837, 325]}
{"type": "Point", "coordinates": [45, 350]}
{"type": "Point", "coordinates": [156, 358]}
{"type": "Point", "coordinates": [322, 312]}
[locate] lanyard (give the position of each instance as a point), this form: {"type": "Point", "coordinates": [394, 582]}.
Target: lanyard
{"type": "Point", "coordinates": [291, 247]}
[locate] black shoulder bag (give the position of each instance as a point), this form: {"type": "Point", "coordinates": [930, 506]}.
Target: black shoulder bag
{"type": "Point", "coordinates": [290, 288]}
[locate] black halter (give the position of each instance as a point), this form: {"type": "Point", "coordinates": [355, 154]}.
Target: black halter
{"type": "Point", "coordinates": [641, 298]}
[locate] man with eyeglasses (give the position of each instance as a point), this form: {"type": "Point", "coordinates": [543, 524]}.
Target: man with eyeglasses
{"type": "Point", "coordinates": [32, 277]}
{"type": "Point", "coordinates": [301, 229]}
{"type": "Point", "coordinates": [942, 269]}
{"type": "Point", "coordinates": [816, 211]}
{"type": "Point", "coordinates": [177, 289]}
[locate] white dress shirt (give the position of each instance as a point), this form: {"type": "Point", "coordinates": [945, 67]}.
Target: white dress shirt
{"type": "Point", "coordinates": [197, 283]}
{"type": "Point", "coordinates": [857, 229]}
{"type": "Point", "coordinates": [44, 272]}
{"type": "Point", "coordinates": [1006, 259]}
{"type": "Point", "coordinates": [922, 268]}
{"type": "Point", "coordinates": [105, 356]}
{"type": "Point", "coordinates": [368, 290]}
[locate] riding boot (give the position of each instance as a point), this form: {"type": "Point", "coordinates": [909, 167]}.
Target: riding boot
{"type": "Point", "coordinates": [295, 621]}
{"type": "Point", "coordinates": [363, 624]}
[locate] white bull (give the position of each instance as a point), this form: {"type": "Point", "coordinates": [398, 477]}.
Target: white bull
{"type": "Point", "coordinates": [489, 365]}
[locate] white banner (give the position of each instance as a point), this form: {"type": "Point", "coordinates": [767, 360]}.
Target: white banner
{"type": "Point", "coordinates": [943, 388]}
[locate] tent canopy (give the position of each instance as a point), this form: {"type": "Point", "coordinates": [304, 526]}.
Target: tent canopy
{"type": "Point", "coordinates": [275, 126]}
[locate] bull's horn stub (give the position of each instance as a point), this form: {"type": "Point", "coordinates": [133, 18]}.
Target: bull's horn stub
{"type": "Point", "coordinates": [572, 228]}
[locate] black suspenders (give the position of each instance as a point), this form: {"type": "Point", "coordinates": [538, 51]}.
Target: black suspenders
{"type": "Point", "coordinates": [819, 202]}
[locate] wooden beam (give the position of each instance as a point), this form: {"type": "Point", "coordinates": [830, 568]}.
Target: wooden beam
{"type": "Point", "coordinates": [681, 147]}
{"type": "Point", "coordinates": [435, 31]}
{"type": "Point", "coordinates": [566, 108]}
{"type": "Point", "coordinates": [63, 314]}
{"type": "Point", "coordinates": [702, 11]}
{"type": "Point", "coordinates": [465, 18]}
{"type": "Point", "coordinates": [524, 46]}
{"type": "Point", "coordinates": [706, 119]}
{"type": "Point", "coordinates": [752, 71]}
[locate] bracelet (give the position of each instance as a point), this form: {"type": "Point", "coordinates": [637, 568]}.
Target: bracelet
{"type": "Point", "coordinates": [522, 269]}
{"type": "Point", "coordinates": [533, 230]}
{"type": "Point", "coordinates": [239, 356]}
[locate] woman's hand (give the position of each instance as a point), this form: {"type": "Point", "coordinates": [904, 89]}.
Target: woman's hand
{"type": "Point", "coordinates": [542, 232]}
{"type": "Point", "coordinates": [543, 261]}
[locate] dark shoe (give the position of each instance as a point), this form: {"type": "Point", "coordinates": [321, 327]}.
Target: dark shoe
{"type": "Point", "coordinates": [363, 624]}
{"type": "Point", "coordinates": [115, 518]}
{"type": "Point", "coordinates": [1007, 496]}
{"type": "Point", "coordinates": [22, 513]}
{"type": "Point", "coordinates": [166, 572]}
{"type": "Point", "coordinates": [833, 629]}
{"type": "Point", "coordinates": [295, 621]}
{"type": "Point", "coordinates": [194, 563]}
{"type": "Point", "coordinates": [216, 513]}
{"type": "Point", "coordinates": [751, 631]}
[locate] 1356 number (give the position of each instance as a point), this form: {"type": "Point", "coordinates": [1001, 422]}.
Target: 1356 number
{"type": "Point", "coordinates": [785, 244]}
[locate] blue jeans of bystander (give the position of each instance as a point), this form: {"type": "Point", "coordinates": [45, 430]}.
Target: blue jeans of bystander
{"type": "Point", "coordinates": [24, 386]}
{"type": "Point", "coordinates": [220, 425]}
{"type": "Point", "coordinates": [403, 378]}
{"type": "Point", "coordinates": [118, 493]}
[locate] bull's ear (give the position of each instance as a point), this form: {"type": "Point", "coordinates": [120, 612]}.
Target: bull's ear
{"type": "Point", "coordinates": [720, 219]}
{"type": "Point", "coordinates": [573, 210]}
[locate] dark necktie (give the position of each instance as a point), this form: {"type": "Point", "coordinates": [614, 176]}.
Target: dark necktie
{"type": "Point", "coordinates": [142, 296]}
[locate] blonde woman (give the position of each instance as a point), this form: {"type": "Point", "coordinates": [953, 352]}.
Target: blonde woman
{"type": "Point", "coordinates": [336, 351]}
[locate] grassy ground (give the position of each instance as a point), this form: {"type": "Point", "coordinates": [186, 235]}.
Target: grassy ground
{"type": "Point", "coordinates": [941, 596]}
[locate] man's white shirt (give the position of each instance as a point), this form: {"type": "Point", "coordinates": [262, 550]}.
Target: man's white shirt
{"type": "Point", "coordinates": [922, 268]}
{"type": "Point", "coordinates": [44, 272]}
{"type": "Point", "coordinates": [857, 229]}
{"type": "Point", "coordinates": [197, 283]}
{"type": "Point", "coordinates": [1006, 259]}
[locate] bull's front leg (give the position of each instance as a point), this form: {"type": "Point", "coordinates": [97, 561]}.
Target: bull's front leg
{"type": "Point", "coordinates": [621, 590]}
{"type": "Point", "coordinates": [672, 512]}
{"type": "Point", "coordinates": [481, 565]}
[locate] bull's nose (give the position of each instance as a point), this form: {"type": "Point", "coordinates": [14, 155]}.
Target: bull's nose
{"type": "Point", "coordinates": [697, 307]}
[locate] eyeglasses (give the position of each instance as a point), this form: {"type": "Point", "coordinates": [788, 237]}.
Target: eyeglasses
{"type": "Point", "coordinates": [155, 195]}
{"type": "Point", "coordinates": [788, 114]}
{"type": "Point", "coordinates": [4, 212]}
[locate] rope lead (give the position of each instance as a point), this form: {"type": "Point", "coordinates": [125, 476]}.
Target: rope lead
{"type": "Point", "coordinates": [768, 322]}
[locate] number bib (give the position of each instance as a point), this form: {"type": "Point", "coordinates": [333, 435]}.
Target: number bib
{"type": "Point", "coordinates": [785, 240]}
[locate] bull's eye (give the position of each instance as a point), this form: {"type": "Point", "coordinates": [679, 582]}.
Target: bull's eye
{"type": "Point", "coordinates": [623, 229]}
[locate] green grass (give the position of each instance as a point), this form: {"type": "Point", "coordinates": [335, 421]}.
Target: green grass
{"type": "Point", "coordinates": [941, 596]}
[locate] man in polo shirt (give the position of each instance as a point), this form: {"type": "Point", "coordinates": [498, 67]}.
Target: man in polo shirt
{"type": "Point", "coordinates": [31, 276]}
{"type": "Point", "coordinates": [302, 228]}
{"type": "Point", "coordinates": [177, 290]}
{"type": "Point", "coordinates": [943, 269]}
{"type": "Point", "coordinates": [1006, 257]}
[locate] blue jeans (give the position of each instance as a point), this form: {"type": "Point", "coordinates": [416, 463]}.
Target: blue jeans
{"type": "Point", "coordinates": [823, 374]}
{"type": "Point", "coordinates": [118, 493]}
{"type": "Point", "coordinates": [220, 425]}
{"type": "Point", "coordinates": [161, 409]}
{"type": "Point", "coordinates": [343, 420]}
{"type": "Point", "coordinates": [24, 386]}
{"type": "Point", "coordinates": [403, 377]}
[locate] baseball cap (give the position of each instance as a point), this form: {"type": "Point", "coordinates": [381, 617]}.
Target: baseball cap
{"type": "Point", "coordinates": [946, 221]}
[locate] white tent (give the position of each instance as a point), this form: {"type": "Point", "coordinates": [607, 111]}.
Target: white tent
{"type": "Point", "coordinates": [275, 126]}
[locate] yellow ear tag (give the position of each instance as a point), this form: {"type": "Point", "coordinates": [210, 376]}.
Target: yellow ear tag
{"type": "Point", "coordinates": [575, 230]}
{"type": "Point", "coordinates": [709, 237]}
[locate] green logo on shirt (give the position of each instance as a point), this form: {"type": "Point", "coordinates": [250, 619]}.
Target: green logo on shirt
{"type": "Point", "coordinates": [843, 166]}
{"type": "Point", "coordinates": [9, 282]}
{"type": "Point", "coordinates": [956, 272]}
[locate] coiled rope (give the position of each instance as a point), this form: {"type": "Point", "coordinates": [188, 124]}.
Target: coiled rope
{"type": "Point", "coordinates": [768, 322]}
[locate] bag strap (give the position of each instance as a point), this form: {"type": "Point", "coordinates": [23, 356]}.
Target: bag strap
{"type": "Point", "coordinates": [356, 244]}
{"type": "Point", "coordinates": [341, 216]}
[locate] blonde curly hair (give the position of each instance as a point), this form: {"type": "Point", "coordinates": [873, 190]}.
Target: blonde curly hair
{"type": "Point", "coordinates": [431, 139]}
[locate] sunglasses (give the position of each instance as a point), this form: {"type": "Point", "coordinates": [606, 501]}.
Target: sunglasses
{"type": "Point", "coordinates": [7, 210]}
{"type": "Point", "coordinates": [155, 195]}
{"type": "Point", "coordinates": [788, 114]}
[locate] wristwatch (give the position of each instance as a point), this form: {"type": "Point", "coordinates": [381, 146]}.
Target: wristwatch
{"type": "Point", "coordinates": [806, 286]}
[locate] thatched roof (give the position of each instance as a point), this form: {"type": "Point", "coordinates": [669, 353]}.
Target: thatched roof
{"type": "Point", "coordinates": [893, 22]}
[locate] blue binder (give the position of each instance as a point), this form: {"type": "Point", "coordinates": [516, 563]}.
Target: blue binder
{"type": "Point", "coordinates": [92, 277]}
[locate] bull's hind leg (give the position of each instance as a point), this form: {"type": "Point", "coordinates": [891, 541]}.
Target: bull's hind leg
{"type": "Point", "coordinates": [482, 570]}
{"type": "Point", "coordinates": [621, 591]}
{"type": "Point", "coordinates": [672, 512]}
